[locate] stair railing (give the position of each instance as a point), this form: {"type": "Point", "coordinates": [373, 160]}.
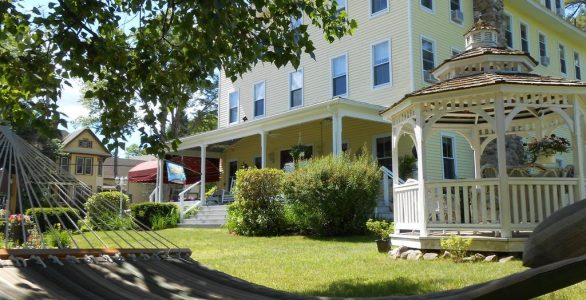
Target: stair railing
{"type": "Point", "coordinates": [182, 194]}
{"type": "Point", "coordinates": [388, 175]}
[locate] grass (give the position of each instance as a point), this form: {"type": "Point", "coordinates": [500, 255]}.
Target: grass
{"type": "Point", "coordinates": [343, 267]}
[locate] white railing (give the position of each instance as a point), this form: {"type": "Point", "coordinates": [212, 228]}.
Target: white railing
{"type": "Point", "coordinates": [182, 203]}
{"type": "Point", "coordinates": [534, 199]}
{"type": "Point", "coordinates": [466, 204]}
{"type": "Point", "coordinates": [153, 195]}
{"type": "Point", "coordinates": [406, 209]}
{"type": "Point", "coordinates": [388, 177]}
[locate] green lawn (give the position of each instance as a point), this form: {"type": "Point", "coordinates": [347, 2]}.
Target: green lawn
{"type": "Point", "coordinates": [345, 267]}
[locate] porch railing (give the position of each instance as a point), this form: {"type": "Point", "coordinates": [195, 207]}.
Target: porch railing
{"type": "Point", "coordinates": [406, 209]}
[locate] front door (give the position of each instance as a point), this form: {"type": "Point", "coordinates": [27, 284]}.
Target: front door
{"type": "Point", "coordinates": [232, 168]}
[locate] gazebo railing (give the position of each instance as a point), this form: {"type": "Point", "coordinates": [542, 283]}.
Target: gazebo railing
{"type": "Point", "coordinates": [406, 207]}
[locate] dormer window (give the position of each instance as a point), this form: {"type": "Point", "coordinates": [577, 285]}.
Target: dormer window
{"type": "Point", "coordinates": [85, 143]}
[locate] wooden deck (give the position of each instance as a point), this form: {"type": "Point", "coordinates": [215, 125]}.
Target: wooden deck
{"type": "Point", "coordinates": [485, 242]}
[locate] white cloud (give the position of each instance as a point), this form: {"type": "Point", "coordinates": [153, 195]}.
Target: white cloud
{"type": "Point", "coordinates": [69, 103]}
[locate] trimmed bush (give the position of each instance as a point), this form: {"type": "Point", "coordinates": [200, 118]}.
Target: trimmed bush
{"type": "Point", "coordinates": [334, 195]}
{"type": "Point", "coordinates": [69, 216]}
{"type": "Point", "coordinates": [257, 210]}
{"type": "Point", "coordinates": [156, 215]}
{"type": "Point", "coordinates": [57, 237]}
{"type": "Point", "coordinates": [103, 210]}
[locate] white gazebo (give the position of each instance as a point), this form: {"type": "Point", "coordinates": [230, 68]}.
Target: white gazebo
{"type": "Point", "coordinates": [485, 94]}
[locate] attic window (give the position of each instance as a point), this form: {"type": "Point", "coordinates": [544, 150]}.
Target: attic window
{"type": "Point", "coordinates": [85, 143]}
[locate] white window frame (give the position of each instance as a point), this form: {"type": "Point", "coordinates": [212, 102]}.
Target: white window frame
{"type": "Point", "coordinates": [528, 31]}
{"type": "Point", "coordinates": [545, 42]}
{"type": "Point", "coordinates": [450, 13]}
{"type": "Point", "coordinates": [578, 63]}
{"type": "Point", "coordinates": [64, 166]}
{"type": "Point", "coordinates": [434, 44]}
{"type": "Point", "coordinates": [77, 165]}
{"type": "Point", "coordinates": [264, 109]}
{"type": "Point", "coordinates": [454, 49]}
{"type": "Point", "coordinates": [91, 166]}
{"type": "Point", "coordinates": [455, 158]}
{"type": "Point", "coordinates": [302, 89]}
{"type": "Point", "coordinates": [374, 149]}
{"type": "Point", "coordinates": [562, 55]}
{"type": "Point", "coordinates": [382, 85]}
{"type": "Point", "coordinates": [237, 91]}
{"type": "Point", "coordinates": [511, 29]}
{"type": "Point", "coordinates": [345, 55]}
{"type": "Point", "coordinates": [378, 13]}
{"type": "Point", "coordinates": [427, 9]}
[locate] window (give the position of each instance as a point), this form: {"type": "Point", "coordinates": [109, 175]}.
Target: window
{"type": "Point", "coordinates": [563, 67]}
{"type": "Point", "coordinates": [339, 76]}
{"type": "Point", "coordinates": [542, 45]}
{"type": "Point", "coordinates": [524, 38]}
{"type": "Point", "coordinates": [548, 4]}
{"type": "Point", "coordinates": [85, 143]}
{"type": "Point", "coordinates": [384, 152]}
{"type": "Point", "coordinates": [381, 64]}
{"type": "Point", "coordinates": [558, 8]}
{"type": "Point", "coordinates": [428, 58]}
{"type": "Point", "coordinates": [449, 160]}
{"type": "Point", "coordinates": [233, 109]}
{"type": "Point", "coordinates": [577, 66]}
{"type": "Point", "coordinates": [456, 13]}
{"type": "Point", "coordinates": [509, 30]}
{"type": "Point", "coordinates": [342, 4]}
{"type": "Point", "coordinates": [427, 4]}
{"type": "Point", "coordinates": [100, 166]}
{"type": "Point", "coordinates": [456, 51]}
{"type": "Point", "coordinates": [258, 162]}
{"type": "Point", "coordinates": [296, 88]}
{"type": "Point", "coordinates": [64, 164]}
{"type": "Point", "coordinates": [378, 6]}
{"type": "Point", "coordinates": [259, 99]}
{"type": "Point", "coordinates": [83, 165]}
{"type": "Point", "coordinates": [79, 166]}
{"type": "Point", "coordinates": [88, 167]}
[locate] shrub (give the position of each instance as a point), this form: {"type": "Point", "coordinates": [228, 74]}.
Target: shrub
{"type": "Point", "coordinates": [257, 210]}
{"type": "Point", "coordinates": [334, 195]}
{"type": "Point", "coordinates": [156, 215]}
{"type": "Point", "coordinates": [457, 245]}
{"type": "Point", "coordinates": [382, 229]}
{"type": "Point", "coordinates": [69, 216]}
{"type": "Point", "coordinates": [103, 210]}
{"type": "Point", "coordinates": [56, 237]}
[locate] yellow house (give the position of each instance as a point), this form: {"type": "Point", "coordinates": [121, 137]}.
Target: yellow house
{"type": "Point", "coordinates": [85, 157]}
{"type": "Point", "coordinates": [332, 104]}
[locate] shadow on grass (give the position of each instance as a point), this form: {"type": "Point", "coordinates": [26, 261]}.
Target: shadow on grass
{"type": "Point", "coordinates": [344, 239]}
{"type": "Point", "coordinates": [359, 287]}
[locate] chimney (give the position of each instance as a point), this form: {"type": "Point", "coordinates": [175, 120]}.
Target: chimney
{"type": "Point", "coordinates": [492, 13]}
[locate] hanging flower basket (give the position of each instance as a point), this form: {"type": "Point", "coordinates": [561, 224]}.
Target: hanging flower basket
{"type": "Point", "coordinates": [545, 149]}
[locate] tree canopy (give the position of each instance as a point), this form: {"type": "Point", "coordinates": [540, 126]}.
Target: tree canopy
{"type": "Point", "coordinates": [149, 56]}
{"type": "Point", "coordinates": [576, 12]}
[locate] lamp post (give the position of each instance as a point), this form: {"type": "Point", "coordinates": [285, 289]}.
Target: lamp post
{"type": "Point", "coordinates": [121, 182]}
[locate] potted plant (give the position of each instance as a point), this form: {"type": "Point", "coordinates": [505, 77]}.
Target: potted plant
{"type": "Point", "coordinates": [543, 150]}
{"type": "Point", "coordinates": [383, 230]}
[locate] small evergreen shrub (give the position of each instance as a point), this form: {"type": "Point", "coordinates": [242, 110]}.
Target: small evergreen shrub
{"type": "Point", "coordinates": [257, 210]}
{"type": "Point", "coordinates": [69, 216]}
{"type": "Point", "coordinates": [456, 245]}
{"type": "Point", "coordinates": [103, 210]}
{"type": "Point", "coordinates": [156, 215]}
{"type": "Point", "coordinates": [381, 229]}
{"type": "Point", "coordinates": [334, 195]}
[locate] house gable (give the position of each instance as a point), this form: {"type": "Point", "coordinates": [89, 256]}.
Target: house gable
{"type": "Point", "coordinates": [84, 141]}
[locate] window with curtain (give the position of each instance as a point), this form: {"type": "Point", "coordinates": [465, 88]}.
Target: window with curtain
{"type": "Point", "coordinates": [578, 66]}
{"type": "Point", "coordinates": [542, 45]}
{"type": "Point", "coordinates": [296, 88]}
{"type": "Point", "coordinates": [524, 38]}
{"type": "Point", "coordinates": [259, 99]}
{"type": "Point", "coordinates": [448, 157]}
{"type": "Point", "coordinates": [427, 56]}
{"type": "Point", "coordinates": [381, 64]}
{"type": "Point", "coordinates": [339, 76]}
{"type": "Point", "coordinates": [563, 66]}
{"type": "Point", "coordinates": [233, 108]}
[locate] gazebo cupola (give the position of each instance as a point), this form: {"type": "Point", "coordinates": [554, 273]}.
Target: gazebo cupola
{"type": "Point", "coordinates": [483, 56]}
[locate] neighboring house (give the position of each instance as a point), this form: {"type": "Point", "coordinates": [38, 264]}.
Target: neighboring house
{"type": "Point", "coordinates": [85, 157]}
{"type": "Point", "coordinates": [332, 104]}
{"type": "Point", "coordinates": [138, 192]}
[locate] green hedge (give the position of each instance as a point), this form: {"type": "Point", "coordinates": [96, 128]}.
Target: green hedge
{"type": "Point", "coordinates": [156, 215]}
{"type": "Point", "coordinates": [334, 195]}
{"type": "Point", "coordinates": [53, 215]}
{"type": "Point", "coordinates": [257, 210]}
{"type": "Point", "coordinates": [103, 211]}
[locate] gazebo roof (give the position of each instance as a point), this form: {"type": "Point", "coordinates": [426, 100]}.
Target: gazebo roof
{"type": "Point", "coordinates": [479, 51]}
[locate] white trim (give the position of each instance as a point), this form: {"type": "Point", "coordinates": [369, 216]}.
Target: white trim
{"type": "Point", "coordinates": [302, 89]}
{"type": "Point", "coordinates": [545, 39]}
{"type": "Point", "coordinates": [378, 13]}
{"type": "Point", "coordinates": [219, 122]}
{"type": "Point", "coordinates": [528, 30]}
{"type": "Point", "coordinates": [254, 99]}
{"type": "Point", "coordinates": [387, 84]}
{"type": "Point", "coordinates": [411, 55]}
{"type": "Point", "coordinates": [512, 27]}
{"type": "Point", "coordinates": [345, 54]}
{"type": "Point", "coordinates": [434, 44]}
{"type": "Point", "coordinates": [452, 136]}
{"type": "Point", "coordinates": [450, 13]}
{"type": "Point", "coordinates": [426, 9]}
{"type": "Point", "coordinates": [565, 54]}
{"type": "Point", "coordinates": [237, 90]}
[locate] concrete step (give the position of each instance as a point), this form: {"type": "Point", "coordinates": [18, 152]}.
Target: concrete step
{"type": "Point", "coordinates": [207, 217]}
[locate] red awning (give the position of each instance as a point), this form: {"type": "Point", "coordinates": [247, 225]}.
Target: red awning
{"type": "Point", "coordinates": [146, 172]}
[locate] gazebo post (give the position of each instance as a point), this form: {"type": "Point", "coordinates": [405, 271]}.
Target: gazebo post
{"type": "Point", "coordinates": [504, 195]}
{"type": "Point", "coordinates": [422, 207]}
{"type": "Point", "coordinates": [579, 153]}
{"type": "Point", "coordinates": [476, 146]}
{"type": "Point", "coordinates": [202, 185]}
{"type": "Point", "coordinates": [395, 135]}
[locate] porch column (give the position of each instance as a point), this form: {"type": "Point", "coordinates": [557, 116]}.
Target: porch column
{"type": "Point", "coordinates": [579, 153]}
{"type": "Point", "coordinates": [263, 149]}
{"type": "Point", "coordinates": [395, 135]}
{"type": "Point", "coordinates": [505, 201]}
{"type": "Point", "coordinates": [160, 180]}
{"type": "Point", "coordinates": [202, 185]}
{"type": "Point", "coordinates": [476, 146]}
{"type": "Point", "coordinates": [422, 207]}
{"type": "Point", "coordinates": [336, 133]}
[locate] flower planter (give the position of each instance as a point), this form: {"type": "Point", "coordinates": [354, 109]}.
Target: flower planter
{"type": "Point", "coordinates": [383, 245]}
{"type": "Point", "coordinates": [546, 160]}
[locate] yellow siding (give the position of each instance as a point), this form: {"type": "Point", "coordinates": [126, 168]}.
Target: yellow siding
{"type": "Point", "coordinates": [317, 80]}
{"type": "Point", "coordinates": [434, 163]}
{"type": "Point", "coordinates": [96, 152]}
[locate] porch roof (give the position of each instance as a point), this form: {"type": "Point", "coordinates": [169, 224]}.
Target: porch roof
{"type": "Point", "coordinates": [344, 107]}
